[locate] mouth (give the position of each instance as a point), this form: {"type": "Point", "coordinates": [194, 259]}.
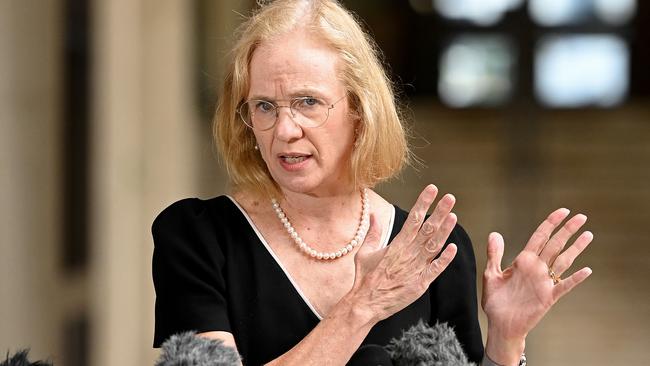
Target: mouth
{"type": "Point", "coordinates": [293, 161]}
{"type": "Point", "coordinates": [294, 158]}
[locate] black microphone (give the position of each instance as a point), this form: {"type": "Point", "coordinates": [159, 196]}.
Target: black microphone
{"type": "Point", "coordinates": [370, 355]}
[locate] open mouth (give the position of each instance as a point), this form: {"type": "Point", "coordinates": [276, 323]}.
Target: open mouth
{"type": "Point", "coordinates": [294, 159]}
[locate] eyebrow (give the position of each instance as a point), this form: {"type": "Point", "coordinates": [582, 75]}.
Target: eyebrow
{"type": "Point", "coordinates": [295, 94]}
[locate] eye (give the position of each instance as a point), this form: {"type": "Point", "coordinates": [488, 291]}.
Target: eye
{"type": "Point", "coordinates": [264, 107]}
{"type": "Point", "coordinates": [308, 103]}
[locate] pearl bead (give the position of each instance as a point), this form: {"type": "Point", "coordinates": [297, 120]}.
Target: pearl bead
{"type": "Point", "coordinates": [305, 248]}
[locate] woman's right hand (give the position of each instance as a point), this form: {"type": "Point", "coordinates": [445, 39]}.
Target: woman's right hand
{"type": "Point", "coordinates": [389, 279]}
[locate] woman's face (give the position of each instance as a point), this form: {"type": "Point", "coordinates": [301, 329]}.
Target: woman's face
{"type": "Point", "coordinates": [311, 160]}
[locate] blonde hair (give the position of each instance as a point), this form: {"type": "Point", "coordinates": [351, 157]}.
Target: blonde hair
{"type": "Point", "coordinates": [381, 147]}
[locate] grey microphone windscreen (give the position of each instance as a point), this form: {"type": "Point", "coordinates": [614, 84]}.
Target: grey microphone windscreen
{"type": "Point", "coordinates": [20, 359]}
{"type": "Point", "coordinates": [424, 345]}
{"type": "Point", "coordinates": [188, 349]}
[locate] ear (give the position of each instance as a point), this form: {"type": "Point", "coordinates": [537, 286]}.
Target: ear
{"type": "Point", "coordinates": [354, 108]}
{"type": "Point", "coordinates": [358, 129]}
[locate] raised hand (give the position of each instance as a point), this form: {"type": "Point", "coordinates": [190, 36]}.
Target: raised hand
{"type": "Point", "coordinates": [517, 298]}
{"type": "Point", "coordinates": [389, 279]}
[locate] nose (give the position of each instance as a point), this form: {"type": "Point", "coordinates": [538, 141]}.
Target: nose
{"type": "Point", "coordinates": [286, 129]}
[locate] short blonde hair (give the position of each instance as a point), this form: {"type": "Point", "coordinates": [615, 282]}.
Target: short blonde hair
{"type": "Point", "coordinates": [381, 147]}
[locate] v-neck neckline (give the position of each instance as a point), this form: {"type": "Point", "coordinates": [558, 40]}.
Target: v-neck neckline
{"type": "Point", "coordinates": [294, 283]}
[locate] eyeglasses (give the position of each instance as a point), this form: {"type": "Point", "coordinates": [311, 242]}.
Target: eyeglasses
{"type": "Point", "coordinates": [305, 111]}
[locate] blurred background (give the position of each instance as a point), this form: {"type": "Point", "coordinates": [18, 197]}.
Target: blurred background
{"type": "Point", "coordinates": [517, 107]}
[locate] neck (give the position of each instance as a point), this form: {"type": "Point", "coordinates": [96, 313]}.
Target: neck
{"type": "Point", "coordinates": [325, 208]}
{"type": "Point", "coordinates": [327, 220]}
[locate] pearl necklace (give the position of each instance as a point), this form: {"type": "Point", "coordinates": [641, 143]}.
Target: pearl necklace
{"type": "Point", "coordinates": [362, 230]}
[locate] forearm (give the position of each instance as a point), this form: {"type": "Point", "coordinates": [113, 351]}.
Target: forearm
{"type": "Point", "coordinates": [334, 340]}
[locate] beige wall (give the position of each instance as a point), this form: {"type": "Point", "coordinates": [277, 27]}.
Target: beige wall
{"type": "Point", "coordinates": [150, 146]}
{"type": "Point", "coordinates": [30, 288]}
{"type": "Point", "coordinates": [596, 162]}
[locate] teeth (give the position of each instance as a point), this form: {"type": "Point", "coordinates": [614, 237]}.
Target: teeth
{"type": "Point", "coordinates": [294, 159]}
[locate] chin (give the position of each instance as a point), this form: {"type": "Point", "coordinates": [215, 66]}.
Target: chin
{"type": "Point", "coordinates": [311, 183]}
{"type": "Point", "coordinates": [297, 187]}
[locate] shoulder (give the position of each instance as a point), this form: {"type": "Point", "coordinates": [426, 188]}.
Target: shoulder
{"type": "Point", "coordinates": [188, 208]}
{"type": "Point", "coordinates": [189, 216]}
{"type": "Point", "coordinates": [188, 235]}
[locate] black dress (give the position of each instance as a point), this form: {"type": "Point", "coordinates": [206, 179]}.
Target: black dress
{"type": "Point", "coordinates": [212, 271]}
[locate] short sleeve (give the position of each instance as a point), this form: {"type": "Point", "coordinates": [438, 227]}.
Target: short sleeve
{"type": "Point", "coordinates": [186, 269]}
{"type": "Point", "coordinates": [456, 299]}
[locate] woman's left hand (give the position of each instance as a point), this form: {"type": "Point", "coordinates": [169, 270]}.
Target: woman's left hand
{"type": "Point", "coordinates": [517, 298]}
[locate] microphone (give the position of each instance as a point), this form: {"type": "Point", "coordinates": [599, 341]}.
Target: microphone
{"type": "Point", "coordinates": [187, 349]}
{"type": "Point", "coordinates": [419, 345]}
{"type": "Point", "coordinates": [20, 359]}
{"type": "Point", "coordinates": [425, 345]}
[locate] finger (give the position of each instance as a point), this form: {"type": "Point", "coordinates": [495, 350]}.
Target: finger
{"type": "Point", "coordinates": [419, 211]}
{"type": "Point", "coordinates": [565, 260]}
{"type": "Point", "coordinates": [554, 246]}
{"type": "Point", "coordinates": [433, 223]}
{"type": "Point", "coordinates": [545, 229]}
{"type": "Point", "coordinates": [440, 236]}
{"type": "Point", "coordinates": [568, 284]}
{"type": "Point", "coordinates": [494, 253]}
{"type": "Point", "coordinates": [434, 244]}
{"type": "Point", "coordinates": [435, 268]}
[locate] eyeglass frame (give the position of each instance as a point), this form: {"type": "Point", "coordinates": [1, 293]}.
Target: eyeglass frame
{"type": "Point", "coordinates": [291, 111]}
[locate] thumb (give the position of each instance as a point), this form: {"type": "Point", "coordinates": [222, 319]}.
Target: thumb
{"type": "Point", "coordinates": [494, 253]}
{"type": "Point", "coordinates": [371, 242]}
{"type": "Point", "coordinates": [370, 253]}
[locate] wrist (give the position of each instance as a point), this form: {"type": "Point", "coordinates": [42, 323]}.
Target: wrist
{"type": "Point", "coordinates": [504, 350]}
{"type": "Point", "coordinates": [354, 313]}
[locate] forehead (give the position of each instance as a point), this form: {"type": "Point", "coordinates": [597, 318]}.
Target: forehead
{"type": "Point", "coordinates": [291, 64]}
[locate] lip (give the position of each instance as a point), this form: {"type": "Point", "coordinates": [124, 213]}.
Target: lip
{"type": "Point", "coordinates": [293, 167]}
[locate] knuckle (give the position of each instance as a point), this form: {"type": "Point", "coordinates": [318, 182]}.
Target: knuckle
{"type": "Point", "coordinates": [428, 228]}
{"type": "Point", "coordinates": [431, 246]}
{"type": "Point", "coordinates": [435, 266]}
{"type": "Point", "coordinates": [416, 217]}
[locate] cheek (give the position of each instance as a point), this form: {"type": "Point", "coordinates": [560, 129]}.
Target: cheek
{"type": "Point", "coordinates": [339, 145]}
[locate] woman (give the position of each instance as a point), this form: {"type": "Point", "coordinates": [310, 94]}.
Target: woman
{"type": "Point", "coordinates": [295, 267]}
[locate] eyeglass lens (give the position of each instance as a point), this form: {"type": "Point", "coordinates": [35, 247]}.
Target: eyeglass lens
{"type": "Point", "coordinates": [307, 111]}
